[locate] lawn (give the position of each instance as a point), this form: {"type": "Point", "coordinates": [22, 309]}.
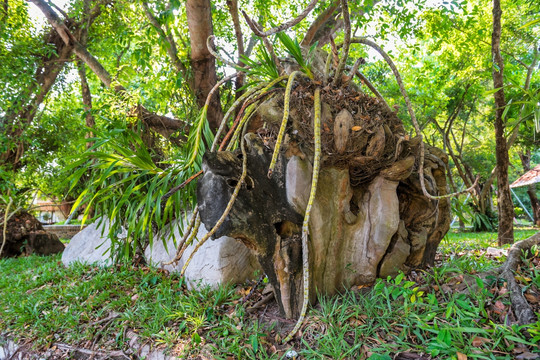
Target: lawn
{"type": "Point", "coordinates": [423, 315]}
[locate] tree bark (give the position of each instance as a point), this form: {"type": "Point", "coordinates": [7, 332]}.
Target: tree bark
{"type": "Point", "coordinates": [504, 197]}
{"type": "Point", "coordinates": [199, 19]}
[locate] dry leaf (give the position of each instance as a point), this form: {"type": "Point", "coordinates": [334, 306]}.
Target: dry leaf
{"type": "Point", "coordinates": [461, 356]}
{"type": "Point", "coordinates": [531, 298]}
{"type": "Point", "coordinates": [479, 341]}
{"type": "Point", "coordinates": [356, 128]}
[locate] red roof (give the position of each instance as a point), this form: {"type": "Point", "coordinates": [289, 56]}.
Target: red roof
{"type": "Point", "coordinates": [530, 177]}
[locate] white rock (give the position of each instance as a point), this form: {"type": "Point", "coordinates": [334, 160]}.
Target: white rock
{"type": "Point", "coordinates": [89, 246]}
{"type": "Point", "coordinates": [220, 261]}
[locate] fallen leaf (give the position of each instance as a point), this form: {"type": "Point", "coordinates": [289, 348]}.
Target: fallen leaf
{"type": "Point", "coordinates": [461, 356]}
{"type": "Point", "coordinates": [479, 341]}
{"type": "Point", "coordinates": [135, 297]}
{"type": "Point", "coordinates": [526, 356]}
{"type": "Point", "coordinates": [356, 128]}
{"type": "Point", "coordinates": [531, 298]}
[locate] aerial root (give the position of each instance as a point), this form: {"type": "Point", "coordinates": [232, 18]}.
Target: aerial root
{"type": "Point", "coordinates": [192, 229]}
{"type": "Point", "coordinates": [305, 225]}
{"type": "Point", "coordinates": [281, 134]}
{"type": "Point", "coordinates": [414, 121]}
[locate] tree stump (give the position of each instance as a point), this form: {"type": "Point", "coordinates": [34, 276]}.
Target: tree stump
{"type": "Point", "coordinates": [25, 235]}
{"type": "Point", "coordinates": [369, 218]}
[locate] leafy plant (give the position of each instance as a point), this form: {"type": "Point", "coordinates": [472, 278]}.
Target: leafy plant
{"type": "Point", "coordinates": [264, 67]}
{"type": "Point", "coordinates": [294, 49]}
{"type": "Point", "coordinates": [128, 188]}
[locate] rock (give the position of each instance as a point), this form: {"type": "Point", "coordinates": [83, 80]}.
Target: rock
{"type": "Point", "coordinates": [89, 246]}
{"type": "Point", "coordinates": [350, 252]}
{"type": "Point", "coordinates": [217, 262]}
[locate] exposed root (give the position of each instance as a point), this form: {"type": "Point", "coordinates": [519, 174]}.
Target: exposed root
{"type": "Point", "coordinates": [305, 225]}
{"type": "Point", "coordinates": [522, 309]}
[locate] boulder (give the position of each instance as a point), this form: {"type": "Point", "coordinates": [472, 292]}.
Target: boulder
{"type": "Point", "coordinates": [220, 261]}
{"type": "Point", "coordinates": [89, 246]}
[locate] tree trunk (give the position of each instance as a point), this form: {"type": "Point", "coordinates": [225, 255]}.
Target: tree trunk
{"type": "Point", "coordinates": [199, 19]}
{"type": "Point", "coordinates": [531, 189]}
{"type": "Point", "coordinates": [504, 197]}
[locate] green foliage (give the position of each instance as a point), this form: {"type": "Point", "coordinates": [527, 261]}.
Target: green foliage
{"type": "Point", "coordinates": [293, 48]}
{"type": "Point", "coordinates": [263, 68]}
{"type": "Point", "coordinates": [127, 187]}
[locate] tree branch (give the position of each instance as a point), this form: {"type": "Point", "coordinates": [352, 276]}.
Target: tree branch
{"type": "Point", "coordinates": [172, 49]}
{"type": "Point", "coordinates": [153, 120]}
{"type": "Point", "coordinates": [286, 25]}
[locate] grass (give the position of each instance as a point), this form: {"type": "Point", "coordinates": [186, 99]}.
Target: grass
{"type": "Point", "coordinates": [425, 312]}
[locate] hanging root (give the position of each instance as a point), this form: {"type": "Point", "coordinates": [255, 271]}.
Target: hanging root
{"type": "Point", "coordinates": [233, 107]}
{"type": "Point", "coordinates": [305, 225]}
{"type": "Point", "coordinates": [250, 111]}
{"type": "Point", "coordinates": [254, 91]}
{"type": "Point", "coordinates": [327, 67]}
{"type": "Point", "coordinates": [286, 103]}
{"type": "Point", "coordinates": [346, 43]}
{"type": "Point", "coordinates": [227, 209]}
{"type": "Point", "coordinates": [414, 121]}
{"type": "Point", "coordinates": [190, 233]}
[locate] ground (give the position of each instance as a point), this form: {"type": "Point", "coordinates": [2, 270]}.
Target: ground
{"type": "Point", "coordinates": [424, 315]}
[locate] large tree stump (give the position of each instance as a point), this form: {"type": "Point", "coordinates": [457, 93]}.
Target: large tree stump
{"type": "Point", "coordinates": [25, 235]}
{"type": "Point", "coordinates": [369, 217]}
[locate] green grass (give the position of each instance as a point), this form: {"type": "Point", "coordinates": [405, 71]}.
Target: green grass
{"type": "Point", "coordinates": [424, 312]}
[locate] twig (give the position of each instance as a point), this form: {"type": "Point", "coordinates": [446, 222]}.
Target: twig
{"type": "Point", "coordinates": [248, 296]}
{"type": "Point", "coordinates": [256, 28]}
{"type": "Point", "coordinates": [346, 43]}
{"type": "Point", "coordinates": [373, 89]}
{"type": "Point", "coordinates": [181, 186]}
{"type": "Point", "coordinates": [216, 54]}
{"type": "Point", "coordinates": [414, 121]}
{"type": "Point", "coordinates": [305, 225]}
{"type": "Point", "coordinates": [286, 25]}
